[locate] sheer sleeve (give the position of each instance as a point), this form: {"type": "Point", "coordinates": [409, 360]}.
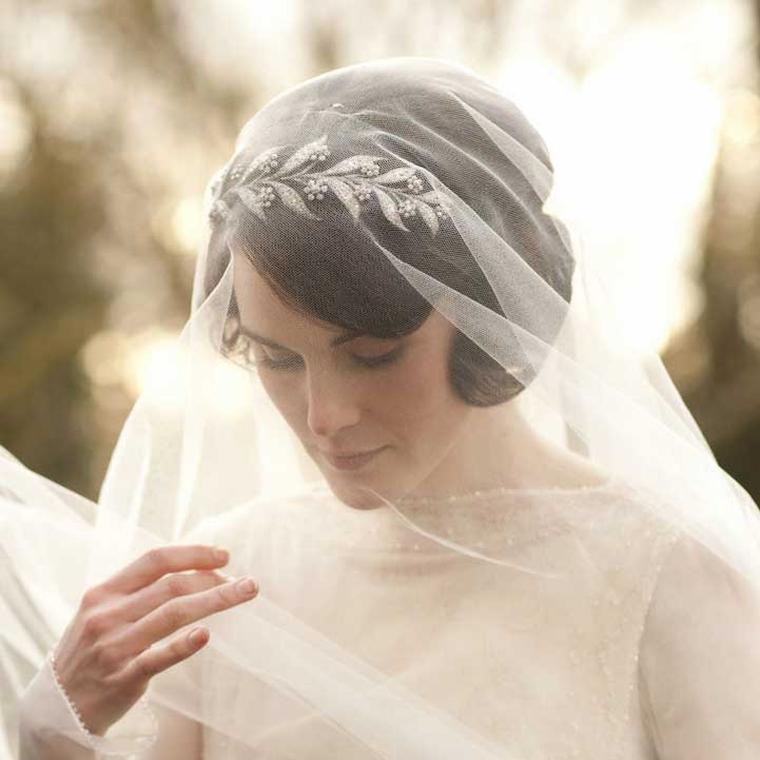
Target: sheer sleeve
{"type": "Point", "coordinates": [700, 659]}
{"type": "Point", "coordinates": [50, 729]}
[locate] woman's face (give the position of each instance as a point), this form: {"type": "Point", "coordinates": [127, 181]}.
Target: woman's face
{"type": "Point", "coordinates": [373, 413]}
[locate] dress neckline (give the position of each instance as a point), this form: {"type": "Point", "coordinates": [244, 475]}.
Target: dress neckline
{"type": "Point", "coordinates": [502, 520]}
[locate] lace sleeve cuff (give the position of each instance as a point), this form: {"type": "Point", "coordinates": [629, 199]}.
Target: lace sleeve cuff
{"type": "Point", "coordinates": [49, 717]}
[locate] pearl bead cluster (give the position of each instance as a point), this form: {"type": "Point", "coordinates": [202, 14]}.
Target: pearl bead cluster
{"type": "Point", "coordinates": [315, 189]}
{"type": "Point", "coordinates": [407, 209]}
{"type": "Point", "coordinates": [363, 192]}
{"type": "Point", "coordinates": [265, 196]}
{"type": "Point", "coordinates": [414, 184]}
{"type": "Point", "coordinates": [320, 154]}
{"type": "Point", "coordinates": [353, 181]}
{"type": "Point", "coordinates": [369, 169]}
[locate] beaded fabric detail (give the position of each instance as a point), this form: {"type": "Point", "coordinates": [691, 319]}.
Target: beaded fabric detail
{"type": "Point", "coordinates": [400, 192]}
{"type": "Point", "coordinates": [498, 491]}
{"type": "Point", "coordinates": [99, 743]}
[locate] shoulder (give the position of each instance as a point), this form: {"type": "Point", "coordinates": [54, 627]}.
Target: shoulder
{"type": "Point", "coordinates": [697, 582]}
{"type": "Point", "coordinates": [699, 657]}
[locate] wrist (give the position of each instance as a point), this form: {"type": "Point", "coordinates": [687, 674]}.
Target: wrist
{"type": "Point", "coordinates": [136, 732]}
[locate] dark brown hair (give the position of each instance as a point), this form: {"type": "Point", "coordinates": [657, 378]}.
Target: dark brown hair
{"type": "Point", "coordinates": [333, 268]}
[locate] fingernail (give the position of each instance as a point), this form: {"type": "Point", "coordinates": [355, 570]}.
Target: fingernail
{"type": "Point", "coordinates": [197, 636]}
{"type": "Point", "coordinates": [246, 586]}
{"type": "Point", "coordinates": [221, 555]}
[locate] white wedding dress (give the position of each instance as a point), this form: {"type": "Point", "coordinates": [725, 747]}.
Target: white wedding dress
{"type": "Point", "coordinates": [634, 598]}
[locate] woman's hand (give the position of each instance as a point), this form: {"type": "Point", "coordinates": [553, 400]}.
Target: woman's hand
{"type": "Point", "coordinates": [110, 650]}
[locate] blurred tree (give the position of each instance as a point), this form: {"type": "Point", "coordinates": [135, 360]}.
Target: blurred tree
{"type": "Point", "coordinates": [716, 362]}
{"type": "Point", "coordinates": [123, 125]}
{"type": "Point", "coordinates": [51, 303]}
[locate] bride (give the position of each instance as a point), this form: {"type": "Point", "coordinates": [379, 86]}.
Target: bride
{"type": "Point", "coordinates": [448, 513]}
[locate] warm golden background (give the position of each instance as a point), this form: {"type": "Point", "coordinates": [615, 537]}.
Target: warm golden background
{"type": "Point", "coordinates": [113, 114]}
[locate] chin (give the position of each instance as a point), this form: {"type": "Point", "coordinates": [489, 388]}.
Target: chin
{"type": "Point", "coordinates": [367, 488]}
{"type": "Point", "coordinates": [354, 496]}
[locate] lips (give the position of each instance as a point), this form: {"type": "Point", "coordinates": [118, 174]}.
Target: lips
{"type": "Point", "coordinates": [351, 461]}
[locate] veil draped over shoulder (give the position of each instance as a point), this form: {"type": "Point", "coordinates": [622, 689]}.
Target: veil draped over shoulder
{"type": "Point", "coordinates": [482, 525]}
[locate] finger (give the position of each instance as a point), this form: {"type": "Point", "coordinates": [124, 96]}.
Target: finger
{"type": "Point", "coordinates": [163, 656]}
{"type": "Point", "coordinates": [163, 560]}
{"type": "Point", "coordinates": [182, 611]}
{"type": "Point", "coordinates": [137, 605]}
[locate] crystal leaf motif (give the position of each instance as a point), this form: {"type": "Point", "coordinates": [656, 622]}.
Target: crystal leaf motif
{"type": "Point", "coordinates": [399, 191]}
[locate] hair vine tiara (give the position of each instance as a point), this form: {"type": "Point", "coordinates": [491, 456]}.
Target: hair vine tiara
{"type": "Point", "coordinates": [354, 180]}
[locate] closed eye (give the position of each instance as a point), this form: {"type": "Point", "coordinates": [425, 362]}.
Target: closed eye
{"type": "Point", "coordinates": [295, 361]}
{"type": "Point", "coordinates": [288, 362]}
{"type": "Point", "coordinates": [378, 361]}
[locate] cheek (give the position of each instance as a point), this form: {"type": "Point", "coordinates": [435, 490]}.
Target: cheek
{"type": "Point", "coordinates": [287, 395]}
{"type": "Point", "coordinates": [420, 403]}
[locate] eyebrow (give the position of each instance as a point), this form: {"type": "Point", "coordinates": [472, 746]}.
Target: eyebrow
{"type": "Point", "coordinates": [337, 341]}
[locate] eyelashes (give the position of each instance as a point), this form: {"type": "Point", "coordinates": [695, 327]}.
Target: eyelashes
{"type": "Point", "coordinates": [290, 363]}
{"type": "Point", "coordinates": [296, 362]}
{"type": "Point", "coordinates": [379, 361]}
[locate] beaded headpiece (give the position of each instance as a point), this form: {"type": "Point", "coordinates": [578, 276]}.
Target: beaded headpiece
{"type": "Point", "coordinates": [400, 192]}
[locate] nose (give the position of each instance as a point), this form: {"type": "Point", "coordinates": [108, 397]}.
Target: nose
{"type": "Point", "coordinates": [332, 404]}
